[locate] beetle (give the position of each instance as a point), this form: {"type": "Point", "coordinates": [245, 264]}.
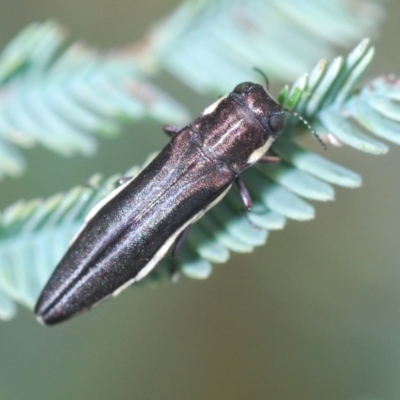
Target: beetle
{"type": "Point", "coordinates": [131, 230]}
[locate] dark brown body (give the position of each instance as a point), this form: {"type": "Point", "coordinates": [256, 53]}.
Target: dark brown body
{"type": "Point", "coordinates": [127, 237]}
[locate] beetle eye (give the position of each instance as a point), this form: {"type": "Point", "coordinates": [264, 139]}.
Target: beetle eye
{"type": "Point", "coordinates": [277, 122]}
{"type": "Point", "coordinates": [243, 87]}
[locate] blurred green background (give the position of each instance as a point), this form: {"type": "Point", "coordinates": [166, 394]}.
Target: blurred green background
{"type": "Point", "coordinates": [315, 314]}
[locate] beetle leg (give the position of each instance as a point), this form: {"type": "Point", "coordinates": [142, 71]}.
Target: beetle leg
{"type": "Point", "coordinates": [244, 193]}
{"type": "Point", "coordinates": [246, 197]}
{"type": "Point", "coordinates": [174, 273]}
{"type": "Point", "coordinates": [174, 270]}
{"type": "Point", "coordinates": [171, 130]}
{"type": "Point", "coordinates": [179, 242]}
{"type": "Point", "coordinates": [269, 159]}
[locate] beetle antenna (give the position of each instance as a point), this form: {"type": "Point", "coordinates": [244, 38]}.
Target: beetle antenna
{"type": "Point", "coordinates": [262, 73]}
{"type": "Point", "coordinates": [308, 125]}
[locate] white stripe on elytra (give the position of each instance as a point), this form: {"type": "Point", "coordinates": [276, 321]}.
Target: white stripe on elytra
{"type": "Point", "coordinates": [96, 208]}
{"type": "Point", "coordinates": [165, 247]}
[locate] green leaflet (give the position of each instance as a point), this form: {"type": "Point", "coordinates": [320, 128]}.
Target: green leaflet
{"type": "Point", "coordinates": [76, 93]}
{"type": "Point", "coordinates": [62, 99]}
{"type": "Point", "coordinates": [328, 94]}
{"type": "Point", "coordinates": [212, 45]}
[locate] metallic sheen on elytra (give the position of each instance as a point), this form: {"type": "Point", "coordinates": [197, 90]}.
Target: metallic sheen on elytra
{"type": "Point", "coordinates": [128, 236]}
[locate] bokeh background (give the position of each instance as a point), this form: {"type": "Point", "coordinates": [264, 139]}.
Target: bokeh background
{"type": "Point", "coordinates": [315, 314]}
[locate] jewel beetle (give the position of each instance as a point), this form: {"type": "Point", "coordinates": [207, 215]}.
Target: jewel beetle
{"type": "Point", "coordinates": [130, 231]}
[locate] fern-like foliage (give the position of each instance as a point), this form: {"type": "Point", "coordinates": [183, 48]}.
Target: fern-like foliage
{"type": "Point", "coordinates": [212, 44]}
{"type": "Point", "coordinates": [35, 234]}
{"type": "Point", "coordinates": [61, 97]}
{"type": "Point", "coordinates": [327, 93]}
